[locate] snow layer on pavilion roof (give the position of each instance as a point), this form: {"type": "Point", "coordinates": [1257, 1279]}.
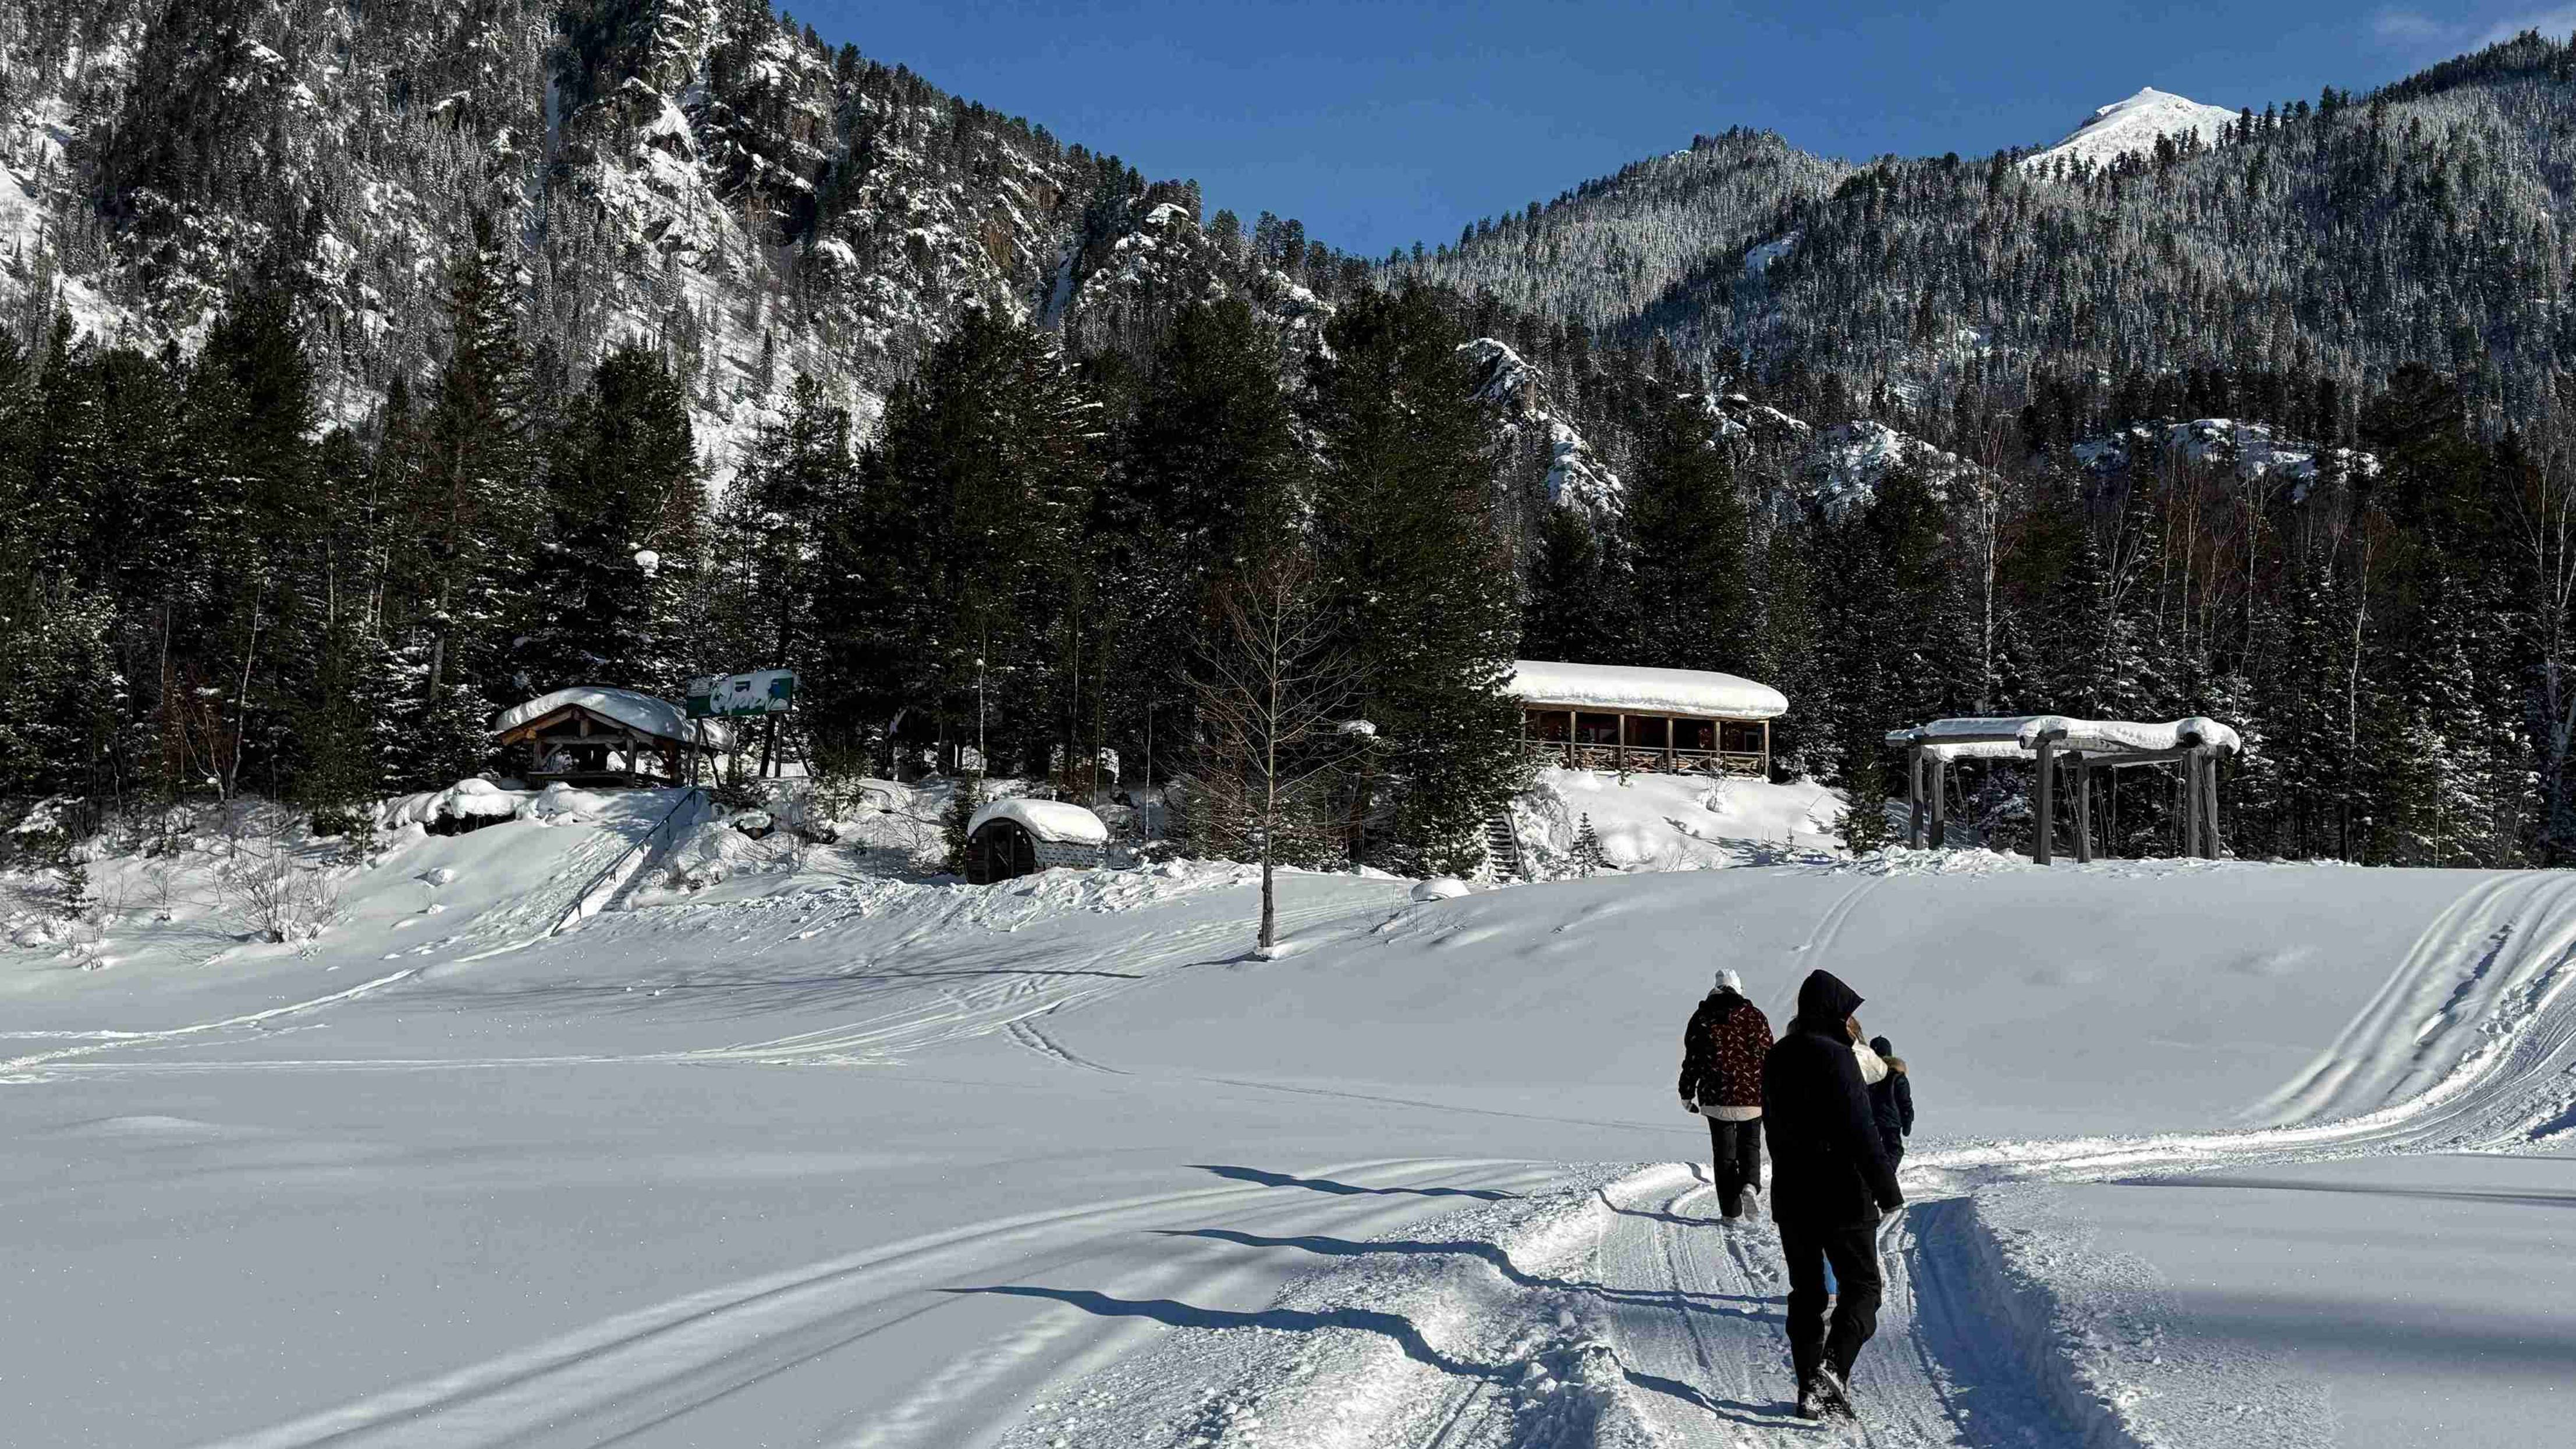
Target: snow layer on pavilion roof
{"type": "Point", "coordinates": [1699, 693]}
{"type": "Point", "coordinates": [2018, 736]}
{"type": "Point", "coordinates": [644, 713]}
{"type": "Point", "coordinates": [1053, 821]}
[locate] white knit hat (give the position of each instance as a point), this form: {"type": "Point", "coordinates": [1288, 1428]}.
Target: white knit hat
{"type": "Point", "coordinates": [1728, 980]}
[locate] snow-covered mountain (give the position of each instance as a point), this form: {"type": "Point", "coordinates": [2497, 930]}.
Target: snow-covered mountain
{"type": "Point", "coordinates": [701, 174]}
{"type": "Point", "coordinates": [2133, 125]}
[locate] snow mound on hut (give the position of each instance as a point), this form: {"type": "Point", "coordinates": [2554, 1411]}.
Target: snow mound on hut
{"type": "Point", "coordinates": [1053, 821]}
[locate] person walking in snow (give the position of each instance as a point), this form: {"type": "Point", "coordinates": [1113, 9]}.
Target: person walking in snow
{"type": "Point", "coordinates": [1831, 1187]}
{"type": "Point", "coordinates": [1722, 1052]}
{"type": "Point", "coordinates": [1891, 1103]}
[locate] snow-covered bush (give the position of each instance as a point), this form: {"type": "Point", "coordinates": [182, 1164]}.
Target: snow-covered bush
{"type": "Point", "coordinates": [276, 896]}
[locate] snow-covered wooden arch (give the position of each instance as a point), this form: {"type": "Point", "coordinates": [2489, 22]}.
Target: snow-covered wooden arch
{"type": "Point", "coordinates": [1016, 837]}
{"type": "Point", "coordinates": [2059, 744]}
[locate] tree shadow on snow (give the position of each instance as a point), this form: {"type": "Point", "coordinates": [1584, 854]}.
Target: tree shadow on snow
{"type": "Point", "coordinates": [1344, 1189]}
{"type": "Point", "coordinates": [1490, 1254]}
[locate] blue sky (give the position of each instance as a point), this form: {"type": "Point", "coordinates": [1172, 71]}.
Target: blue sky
{"type": "Point", "coordinates": [1377, 124]}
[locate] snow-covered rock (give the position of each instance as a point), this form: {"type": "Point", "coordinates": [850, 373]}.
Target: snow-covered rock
{"type": "Point", "coordinates": [1850, 460]}
{"type": "Point", "coordinates": [476, 799]}
{"type": "Point", "coordinates": [1576, 476]}
{"type": "Point", "coordinates": [1441, 888]}
{"type": "Point", "coordinates": [2253, 452]}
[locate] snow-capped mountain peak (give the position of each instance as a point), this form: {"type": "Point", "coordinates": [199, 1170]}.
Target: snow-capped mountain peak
{"type": "Point", "coordinates": [2133, 125]}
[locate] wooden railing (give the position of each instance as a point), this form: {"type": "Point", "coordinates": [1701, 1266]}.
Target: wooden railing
{"type": "Point", "coordinates": [1650, 759]}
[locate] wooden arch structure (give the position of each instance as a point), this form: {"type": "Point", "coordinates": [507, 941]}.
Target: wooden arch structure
{"type": "Point", "coordinates": [2068, 750]}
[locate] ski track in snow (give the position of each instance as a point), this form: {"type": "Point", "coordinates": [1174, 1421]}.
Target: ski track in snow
{"type": "Point", "coordinates": [1674, 1320]}
{"type": "Point", "coordinates": [1564, 1307]}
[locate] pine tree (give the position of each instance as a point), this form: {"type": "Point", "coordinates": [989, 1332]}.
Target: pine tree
{"type": "Point", "coordinates": [1209, 479]}
{"type": "Point", "coordinates": [1578, 602]}
{"type": "Point", "coordinates": [621, 533]}
{"type": "Point", "coordinates": [1589, 857]}
{"type": "Point", "coordinates": [971, 547]}
{"type": "Point", "coordinates": [1693, 606]}
{"type": "Point", "coordinates": [1406, 532]}
{"type": "Point", "coordinates": [477, 489]}
{"type": "Point", "coordinates": [965, 797]}
{"type": "Point", "coordinates": [1865, 826]}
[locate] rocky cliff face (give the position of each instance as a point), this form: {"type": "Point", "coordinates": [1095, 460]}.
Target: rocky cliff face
{"type": "Point", "coordinates": [695, 172]}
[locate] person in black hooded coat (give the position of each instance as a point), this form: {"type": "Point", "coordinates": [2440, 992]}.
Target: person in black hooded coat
{"type": "Point", "coordinates": [1830, 1187]}
{"type": "Point", "coordinates": [1891, 1101]}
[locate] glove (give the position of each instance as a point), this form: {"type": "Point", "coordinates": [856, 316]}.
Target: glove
{"type": "Point", "coordinates": [1690, 1106]}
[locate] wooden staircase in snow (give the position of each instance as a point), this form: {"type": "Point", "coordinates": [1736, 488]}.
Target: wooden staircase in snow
{"type": "Point", "coordinates": [1503, 844]}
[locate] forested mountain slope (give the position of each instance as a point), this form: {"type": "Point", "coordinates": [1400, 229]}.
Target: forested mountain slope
{"type": "Point", "coordinates": [699, 174]}
{"type": "Point", "coordinates": [2327, 241]}
{"type": "Point", "coordinates": [1602, 252]}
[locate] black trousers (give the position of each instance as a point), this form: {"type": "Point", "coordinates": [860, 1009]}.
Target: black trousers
{"type": "Point", "coordinates": [1735, 1152]}
{"type": "Point", "coordinates": [1854, 1253]}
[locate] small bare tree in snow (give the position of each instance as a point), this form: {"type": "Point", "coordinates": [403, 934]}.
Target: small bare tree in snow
{"type": "Point", "coordinates": [1272, 693]}
{"type": "Point", "coordinates": [280, 898]}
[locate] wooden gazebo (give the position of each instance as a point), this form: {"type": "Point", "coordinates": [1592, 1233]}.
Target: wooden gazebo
{"type": "Point", "coordinates": [2075, 748]}
{"type": "Point", "coordinates": [1669, 721]}
{"type": "Point", "coordinates": [589, 735]}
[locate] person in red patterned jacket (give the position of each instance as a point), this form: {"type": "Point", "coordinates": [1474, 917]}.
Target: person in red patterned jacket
{"type": "Point", "coordinates": [1722, 1052]}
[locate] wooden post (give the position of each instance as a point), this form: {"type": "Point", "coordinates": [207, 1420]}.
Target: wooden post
{"type": "Point", "coordinates": [2043, 825]}
{"type": "Point", "coordinates": [1669, 722]}
{"type": "Point", "coordinates": [1913, 795]}
{"type": "Point", "coordinates": [2083, 810]}
{"type": "Point", "coordinates": [1939, 788]}
{"type": "Point", "coordinates": [1766, 748]}
{"type": "Point", "coordinates": [2211, 847]}
{"type": "Point", "coordinates": [2190, 842]}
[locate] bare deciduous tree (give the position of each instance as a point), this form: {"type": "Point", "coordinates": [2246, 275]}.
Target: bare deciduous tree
{"type": "Point", "coordinates": [1271, 697]}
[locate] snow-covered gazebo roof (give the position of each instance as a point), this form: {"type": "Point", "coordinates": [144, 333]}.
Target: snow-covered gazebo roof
{"type": "Point", "coordinates": [644, 713]}
{"type": "Point", "coordinates": [2061, 744]}
{"type": "Point", "coordinates": [2017, 737]}
{"type": "Point", "coordinates": [1696, 693]}
{"type": "Point", "coordinates": [1053, 821]}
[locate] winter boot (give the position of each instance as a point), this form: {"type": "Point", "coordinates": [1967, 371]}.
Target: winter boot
{"type": "Point", "coordinates": [1810, 1404]}
{"type": "Point", "coordinates": [1833, 1396]}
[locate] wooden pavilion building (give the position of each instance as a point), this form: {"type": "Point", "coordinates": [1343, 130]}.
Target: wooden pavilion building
{"type": "Point", "coordinates": [1669, 721]}
{"type": "Point", "coordinates": [591, 736]}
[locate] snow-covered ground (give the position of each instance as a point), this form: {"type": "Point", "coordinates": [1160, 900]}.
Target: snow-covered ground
{"type": "Point", "coordinates": [827, 1153]}
{"type": "Point", "coordinates": [1673, 822]}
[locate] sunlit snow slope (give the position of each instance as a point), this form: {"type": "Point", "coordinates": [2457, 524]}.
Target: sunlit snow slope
{"type": "Point", "coordinates": [853, 1160]}
{"type": "Point", "coordinates": [2132, 126]}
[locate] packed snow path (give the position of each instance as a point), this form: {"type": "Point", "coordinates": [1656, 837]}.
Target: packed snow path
{"type": "Point", "coordinates": [1053, 1164]}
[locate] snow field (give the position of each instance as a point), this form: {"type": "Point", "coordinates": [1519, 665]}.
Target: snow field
{"type": "Point", "coordinates": [1673, 822]}
{"type": "Point", "coordinates": [2368, 1302]}
{"type": "Point", "coordinates": [819, 1155]}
